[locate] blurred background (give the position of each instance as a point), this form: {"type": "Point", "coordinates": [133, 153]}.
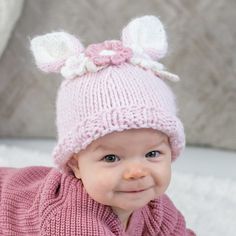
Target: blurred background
{"type": "Point", "coordinates": [202, 46]}
{"type": "Point", "coordinates": [202, 50]}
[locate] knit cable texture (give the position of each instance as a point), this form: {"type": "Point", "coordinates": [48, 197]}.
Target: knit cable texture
{"type": "Point", "coordinates": [42, 201]}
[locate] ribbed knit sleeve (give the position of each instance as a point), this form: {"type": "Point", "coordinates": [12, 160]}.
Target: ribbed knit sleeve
{"type": "Point", "coordinates": [4, 174]}
{"type": "Point", "coordinates": [20, 194]}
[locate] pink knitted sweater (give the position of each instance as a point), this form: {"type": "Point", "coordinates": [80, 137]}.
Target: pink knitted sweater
{"type": "Point", "coordinates": [42, 201]}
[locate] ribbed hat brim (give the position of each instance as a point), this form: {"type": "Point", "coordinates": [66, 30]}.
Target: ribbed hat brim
{"type": "Point", "coordinates": [118, 119]}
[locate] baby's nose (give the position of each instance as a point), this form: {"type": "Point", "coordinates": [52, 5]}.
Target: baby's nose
{"type": "Point", "coordinates": [135, 172]}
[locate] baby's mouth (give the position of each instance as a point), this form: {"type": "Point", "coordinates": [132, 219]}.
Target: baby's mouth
{"type": "Point", "coordinates": [134, 191]}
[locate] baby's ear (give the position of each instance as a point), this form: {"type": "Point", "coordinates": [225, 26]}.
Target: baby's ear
{"type": "Point", "coordinates": [146, 35]}
{"type": "Point", "coordinates": [51, 50]}
{"type": "Point", "coordinates": [74, 165]}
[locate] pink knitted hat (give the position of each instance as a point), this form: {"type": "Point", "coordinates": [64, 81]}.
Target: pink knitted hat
{"type": "Point", "coordinates": [110, 86]}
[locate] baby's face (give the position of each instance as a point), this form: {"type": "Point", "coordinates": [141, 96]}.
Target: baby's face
{"type": "Point", "coordinates": [125, 169]}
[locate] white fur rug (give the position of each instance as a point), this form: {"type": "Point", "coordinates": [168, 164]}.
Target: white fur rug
{"type": "Point", "coordinates": [208, 203]}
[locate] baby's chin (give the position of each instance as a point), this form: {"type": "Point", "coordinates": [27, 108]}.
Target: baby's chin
{"type": "Point", "coordinates": [131, 206]}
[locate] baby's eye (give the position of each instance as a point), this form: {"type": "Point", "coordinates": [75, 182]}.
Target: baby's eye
{"type": "Point", "coordinates": [153, 154]}
{"type": "Point", "coordinates": [110, 158]}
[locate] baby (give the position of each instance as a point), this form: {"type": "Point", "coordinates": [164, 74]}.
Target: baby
{"type": "Point", "coordinates": [118, 133]}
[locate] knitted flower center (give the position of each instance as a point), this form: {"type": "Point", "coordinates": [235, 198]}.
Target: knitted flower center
{"type": "Point", "coordinates": [110, 52]}
{"type": "Point", "coordinates": [107, 53]}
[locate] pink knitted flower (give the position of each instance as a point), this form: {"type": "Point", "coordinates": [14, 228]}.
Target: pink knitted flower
{"type": "Point", "coordinates": [110, 52]}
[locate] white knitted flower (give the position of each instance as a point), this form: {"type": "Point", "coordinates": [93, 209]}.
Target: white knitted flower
{"type": "Point", "coordinates": [77, 66]}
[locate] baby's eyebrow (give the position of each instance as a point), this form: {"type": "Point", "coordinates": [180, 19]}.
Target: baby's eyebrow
{"type": "Point", "coordinates": [104, 147]}
{"type": "Point", "coordinates": [158, 143]}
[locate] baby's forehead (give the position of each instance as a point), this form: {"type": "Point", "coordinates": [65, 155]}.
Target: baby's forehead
{"type": "Point", "coordinates": [142, 136]}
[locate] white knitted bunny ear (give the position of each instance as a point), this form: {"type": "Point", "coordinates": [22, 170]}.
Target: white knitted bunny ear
{"type": "Point", "coordinates": [146, 35]}
{"type": "Point", "coordinates": [53, 49]}
{"type": "Point", "coordinates": [147, 39]}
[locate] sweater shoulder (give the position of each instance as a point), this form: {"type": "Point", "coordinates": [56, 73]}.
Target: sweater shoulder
{"type": "Point", "coordinates": [20, 198]}
{"type": "Point", "coordinates": [65, 201]}
{"type": "Point", "coordinates": [5, 172]}
{"type": "Point", "coordinates": [181, 228]}
{"type": "Point", "coordinates": [21, 184]}
{"type": "Point", "coordinates": [167, 217]}
{"type": "Point", "coordinates": [17, 179]}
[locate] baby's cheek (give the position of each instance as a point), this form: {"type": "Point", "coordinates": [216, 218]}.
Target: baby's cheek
{"type": "Point", "coordinates": [101, 191]}
{"type": "Point", "coordinates": [165, 179]}
{"type": "Point", "coordinates": [105, 183]}
{"type": "Point", "coordinates": [162, 179]}
{"type": "Point", "coordinates": [101, 183]}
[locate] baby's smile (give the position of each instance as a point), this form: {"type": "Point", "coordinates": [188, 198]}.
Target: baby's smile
{"type": "Point", "coordinates": [135, 190]}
